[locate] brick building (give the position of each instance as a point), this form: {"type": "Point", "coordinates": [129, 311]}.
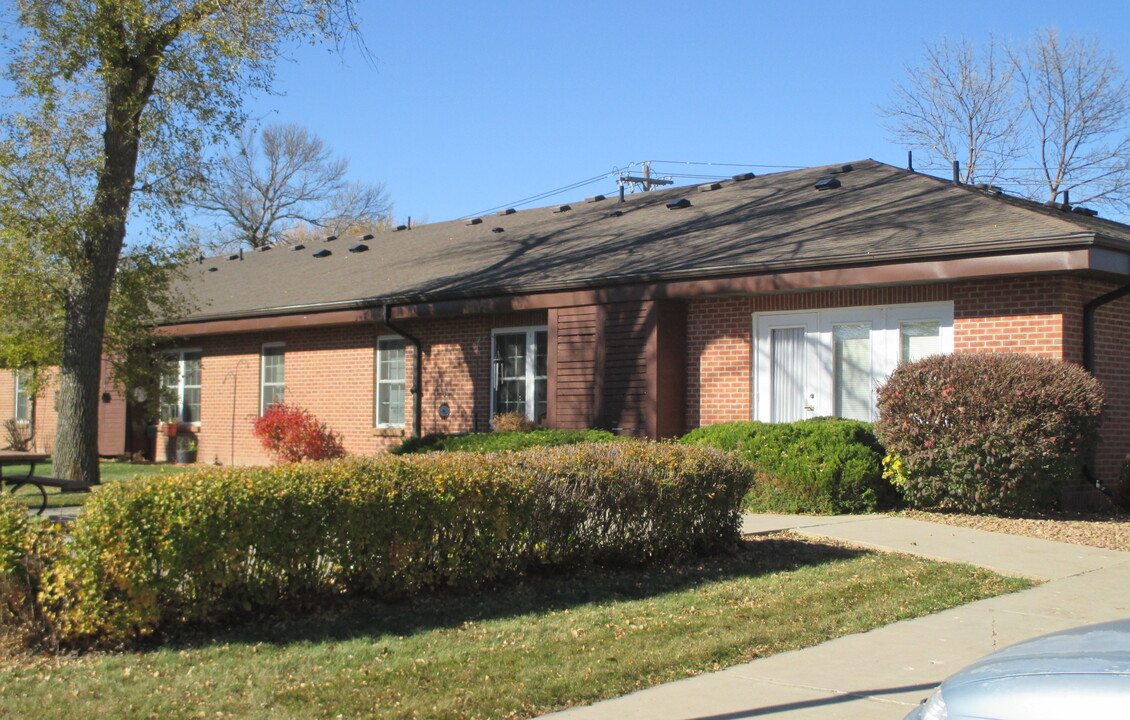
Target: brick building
{"type": "Point", "coordinates": [774, 298]}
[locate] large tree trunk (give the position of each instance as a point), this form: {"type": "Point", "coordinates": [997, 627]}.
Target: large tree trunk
{"type": "Point", "coordinates": [88, 297]}
{"type": "Point", "coordinates": [76, 439]}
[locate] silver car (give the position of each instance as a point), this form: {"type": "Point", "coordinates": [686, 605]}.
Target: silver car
{"type": "Point", "coordinates": [1079, 673]}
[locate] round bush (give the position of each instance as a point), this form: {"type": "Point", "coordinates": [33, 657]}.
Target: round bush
{"type": "Point", "coordinates": [822, 465]}
{"type": "Point", "coordinates": [988, 432]}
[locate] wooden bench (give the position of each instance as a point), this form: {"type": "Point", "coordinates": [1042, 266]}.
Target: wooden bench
{"type": "Point", "coordinates": [41, 483]}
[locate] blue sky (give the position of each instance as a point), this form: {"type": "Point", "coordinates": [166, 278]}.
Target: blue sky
{"type": "Point", "coordinates": [473, 106]}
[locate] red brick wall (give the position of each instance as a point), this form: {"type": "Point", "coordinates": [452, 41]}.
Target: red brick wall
{"type": "Point", "coordinates": [1038, 315]}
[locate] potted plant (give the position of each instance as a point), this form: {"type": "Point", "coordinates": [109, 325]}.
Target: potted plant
{"type": "Point", "coordinates": [171, 427]}
{"type": "Point", "coordinates": [186, 452]}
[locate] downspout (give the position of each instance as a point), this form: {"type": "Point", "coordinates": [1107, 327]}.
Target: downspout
{"type": "Point", "coordinates": [1089, 311]}
{"type": "Point", "coordinates": [417, 371]}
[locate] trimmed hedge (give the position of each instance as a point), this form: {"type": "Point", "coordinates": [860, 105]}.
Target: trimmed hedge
{"type": "Point", "coordinates": [988, 432]}
{"type": "Point", "coordinates": [214, 544]}
{"type": "Point", "coordinates": [501, 440]}
{"type": "Point", "coordinates": [823, 465]}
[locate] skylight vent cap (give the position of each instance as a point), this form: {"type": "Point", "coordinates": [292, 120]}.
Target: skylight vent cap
{"type": "Point", "coordinates": [507, 211]}
{"type": "Point", "coordinates": [400, 228]}
{"type": "Point", "coordinates": [678, 204]}
{"type": "Point", "coordinates": [595, 198]}
{"type": "Point", "coordinates": [743, 177]}
{"type": "Point", "coordinates": [233, 257]}
{"type": "Point", "coordinates": [299, 246]}
{"type": "Point", "coordinates": [827, 184]}
{"type": "Point", "coordinates": [846, 168]}
{"type": "Point", "coordinates": [322, 253]}
{"type": "Point", "coordinates": [359, 248]}
{"type": "Point", "coordinates": [562, 208]}
{"type": "Point", "coordinates": [367, 236]}
{"type": "Point", "coordinates": [473, 221]}
{"type": "Point", "coordinates": [497, 230]}
{"type": "Point", "coordinates": [710, 188]}
{"type": "Point", "coordinates": [263, 248]}
{"type": "Point", "coordinates": [331, 238]}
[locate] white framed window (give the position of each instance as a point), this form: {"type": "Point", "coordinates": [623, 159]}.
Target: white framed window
{"type": "Point", "coordinates": [183, 380]}
{"type": "Point", "coordinates": [390, 384]}
{"type": "Point", "coordinates": [520, 372]}
{"type": "Point", "coordinates": [23, 398]}
{"type": "Point", "coordinates": [272, 383]}
{"type": "Point", "coordinates": [831, 362]}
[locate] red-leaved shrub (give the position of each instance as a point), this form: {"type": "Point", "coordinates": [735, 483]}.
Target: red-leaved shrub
{"type": "Point", "coordinates": [987, 432]}
{"type": "Point", "coordinates": [292, 434]}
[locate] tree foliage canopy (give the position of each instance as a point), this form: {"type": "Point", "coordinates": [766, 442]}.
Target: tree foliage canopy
{"type": "Point", "coordinates": [1050, 117]}
{"type": "Point", "coordinates": [116, 100]}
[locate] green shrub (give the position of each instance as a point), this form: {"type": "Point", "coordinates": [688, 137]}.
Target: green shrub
{"type": "Point", "coordinates": [26, 548]}
{"type": "Point", "coordinates": [219, 542]}
{"type": "Point", "coordinates": [500, 440]}
{"type": "Point", "coordinates": [988, 432]}
{"type": "Point", "coordinates": [823, 465]}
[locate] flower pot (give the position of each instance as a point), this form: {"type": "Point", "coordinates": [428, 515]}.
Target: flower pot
{"type": "Point", "coordinates": [170, 429]}
{"type": "Point", "coordinates": [186, 457]}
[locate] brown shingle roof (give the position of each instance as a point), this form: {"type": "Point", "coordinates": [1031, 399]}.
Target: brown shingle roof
{"type": "Point", "coordinates": [879, 213]}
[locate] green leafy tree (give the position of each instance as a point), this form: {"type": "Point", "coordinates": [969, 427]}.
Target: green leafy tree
{"type": "Point", "coordinates": [114, 103]}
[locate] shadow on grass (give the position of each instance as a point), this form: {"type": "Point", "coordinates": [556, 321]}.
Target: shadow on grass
{"type": "Point", "coordinates": [534, 593]}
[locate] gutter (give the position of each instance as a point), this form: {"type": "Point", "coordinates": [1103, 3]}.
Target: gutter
{"type": "Point", "coordinates": [1089, 311]}
{"type": "Point", "coordinates": [417, 370]}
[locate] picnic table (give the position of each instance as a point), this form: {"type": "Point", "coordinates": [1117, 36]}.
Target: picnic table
{"type": "Point", "coordinates": [39, 482]}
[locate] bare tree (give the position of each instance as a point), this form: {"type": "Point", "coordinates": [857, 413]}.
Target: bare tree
{"type": "Point", "coordinates": [1078, 107]}
{"type": "Point", "coordinates": [958, 105]}
{"type": "Point", "coordinates": [281, 180]}
{"type": "Point", "coordinates": [1050, 117]}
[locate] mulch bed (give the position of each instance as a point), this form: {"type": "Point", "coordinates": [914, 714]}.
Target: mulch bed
{"type": "Point", "coordinates": [1103, 531]}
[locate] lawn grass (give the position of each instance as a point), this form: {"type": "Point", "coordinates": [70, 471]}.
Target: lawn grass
{"type": "Point", "coordinates": [516, 651]}
{"type": "Point", "coordinates": [109, 472]}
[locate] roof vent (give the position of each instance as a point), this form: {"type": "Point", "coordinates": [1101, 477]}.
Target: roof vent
{"type": "Point", "coordinates": [233, 257]}
{"type": "Point", "coordinates": [473, 221]}
{"type": "Point", "coordinates": [322, 253]}
{"type": "Point", "coordinates": [400, 227]}
{"type": "Point", "coordinates": [263, 248]}
{"type": "Point", "coordinates": [299, 246]}
{"type": "Point", "coordinates": [1085, 211]}
{"type": "Point", "coordinates": [331, 238]}
{"type": "Point", "coordinates": [563, 208]}
{"type": "Point", "coordinates": [507, 211]}
{"type": "Point", "coordinates": [595, 198]}
{"type": "Point", "coordinates": [743, 177]}
{"type": "Point", "coordinates": [367, 236]}
{"type": "Point", "coordinates": [616, 213]}
{"type": "Point", "coordinates": [213, 269]}
{"type": "Point", "coordinates": [497, 230]}
{"type": "Point", "coordinates": [827, 184]}
{"type": "Point", "coordinates": [846, 168]}
{"type": "Point", "coordinates": [709, 188]}
{"type": "Point", "coordinates": [679, 204]}
{"type": "Point", "coordinates": [359, 247]}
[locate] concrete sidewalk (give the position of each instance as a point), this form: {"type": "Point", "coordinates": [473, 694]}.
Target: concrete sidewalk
{"type": "Point", "coordinates": [883, 673]}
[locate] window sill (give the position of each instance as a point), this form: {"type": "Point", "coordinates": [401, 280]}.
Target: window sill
{"type": "Point", "coordinates": [389, 432]}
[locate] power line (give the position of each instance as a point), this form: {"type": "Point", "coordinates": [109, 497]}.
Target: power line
{"type": "Point", "coordinates": [547, 193]}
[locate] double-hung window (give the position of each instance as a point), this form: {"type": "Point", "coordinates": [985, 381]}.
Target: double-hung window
{"type": "Point", "coordinates": [831, 362]}
{"type": "Point", "coordinates": [23, 398]}
{"type": "Point", "coordinates": [182, 383]}
{"type": "Point", "coordinates": [390, 381]}
{"type": "Point", "coordinates": [271, 376]}
{"type": "Point", "coordinates": [519, 372]}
